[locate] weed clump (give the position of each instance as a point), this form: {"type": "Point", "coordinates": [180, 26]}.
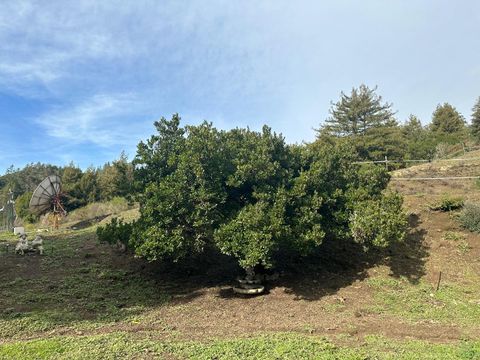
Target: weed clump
{"type": "Point", "coordinates": [470, 216]}
{"type": "Point", "coordinates": [464, 247]}
{"type": "Point", "coordinates": [447, 203]}
{"type": "Point", "coordinates": [452, 236]}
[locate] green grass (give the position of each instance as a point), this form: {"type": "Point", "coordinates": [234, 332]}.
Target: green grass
{"type": "Point", "coordinates": [80, 291]}
{"type": "Point", "coordinates": [98, 209]}
{"type": "Point", "coordinates": [464, 247]}
{"type": "Point", "coordinates": [269, 346]}
{"type": "Point", "coordinates": [89, 293]}
{"type": "Point", "coordinates": [451, 304]}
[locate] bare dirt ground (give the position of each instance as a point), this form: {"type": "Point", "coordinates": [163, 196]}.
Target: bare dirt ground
{"type": "Point", "coordinates": [336, 299]}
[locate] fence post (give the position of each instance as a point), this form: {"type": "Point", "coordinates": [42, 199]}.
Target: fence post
{"type": "Point", "coordinates": [386, 162]}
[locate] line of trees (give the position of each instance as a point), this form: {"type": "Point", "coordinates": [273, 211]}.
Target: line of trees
{"type": "Point", "coordinates": [79, 187]}
{"type": "Point", "coordinates": [364, 119]}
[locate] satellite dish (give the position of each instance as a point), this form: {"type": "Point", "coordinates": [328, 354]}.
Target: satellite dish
{"type": "Point", "coordinates": [47, 197]}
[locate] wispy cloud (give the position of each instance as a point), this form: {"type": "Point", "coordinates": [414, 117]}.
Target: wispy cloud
{"type": "Point", "coordinates": [100, 120]}
{"type": "Point", "coordinates": [91, 71]}
{"type": "Point", "coordinates": [42, 46]}
{"type": "Point", "coordinates": [47, 47]}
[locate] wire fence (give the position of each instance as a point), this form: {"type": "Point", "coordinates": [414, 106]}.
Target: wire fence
{"type": "Point", "coordinates": [387, 161]}
{"type": "Point", "coordinates": [434, 178]}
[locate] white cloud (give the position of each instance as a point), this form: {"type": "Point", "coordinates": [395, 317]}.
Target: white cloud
{"type": "Point", "coordinates": [44, 45]}
{"type": "Point", "coordinates": [100, 120]}
{"type": "Point", "coordinates": [54, 47]}
{"type": "Point", "coordinates": [246, 62]}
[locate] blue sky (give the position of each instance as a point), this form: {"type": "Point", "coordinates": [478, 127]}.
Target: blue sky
{"type": "Point", "coordinates": [83, 80]}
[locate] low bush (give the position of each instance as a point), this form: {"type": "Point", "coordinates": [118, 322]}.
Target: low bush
{"type": "Point", "coordinates": [464, 247]}
{"type": "Point", "coordinates": [447, 203]}
{"type": "Point", "coordinates": [452, 236]}
{"type": "Point", "coordinates": [442, 150]}
{"type": "Point", "coordinates": [379, 222]}
{"type": "Point", "coordinates": [116, 232]}
{"type": "Point", "coordinates": [470, 216]}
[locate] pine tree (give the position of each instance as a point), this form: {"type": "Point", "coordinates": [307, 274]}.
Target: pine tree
{"type": "Point", "coordinates": [124, 179]}
{"type": "Point", "coordinates": [446, 119]}
{"type": "Point", "coordinates": [476, 120]}
{"type": "Point", "coordinates": [366, 122]}
{"type": "Point", "coordinates": [413, 128]}
{"type": "Point", "coordinates": [88, 185]}
{"type": "Point", "coordinates": [358, 112]}
{"type": "Point", "coordinates": [107, 178]}
{"type": "Point", "coordinates": [420, 141]}
{"type": "Point", "coordinates": [71, 187]}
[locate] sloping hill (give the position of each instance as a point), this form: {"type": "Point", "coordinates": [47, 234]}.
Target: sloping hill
{"type": "Point", "coordinates": [451, 169]}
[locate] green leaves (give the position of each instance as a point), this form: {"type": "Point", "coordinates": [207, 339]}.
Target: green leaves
{"type": "Point", "coordinates": [251, 236]}
{"type": "Point", "coordinates": [446, 119]}
{"type": "Point", "coordinates": [115, 232]}
{"type": "Point", "coordinates": [358, 112]}
{"type": "Point", "coordinates": [476, 120]}
{"type": "Point", "coordinates": [379, 222]}
{"type": "Point", "coordinates": [250, 195]}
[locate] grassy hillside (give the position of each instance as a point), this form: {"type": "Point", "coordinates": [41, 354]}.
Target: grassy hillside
{"type": "Point", "coordinates": [86, 300]}
{"type": "Point", "coordinates": [430, 189]}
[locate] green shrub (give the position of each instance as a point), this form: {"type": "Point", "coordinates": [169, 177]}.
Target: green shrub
{"type": "Point", "coordinates": [447, 203]}
{"type": "Point", "coordinates": [116, 232]}
{"type": "Point", "coordinates": [379, 222]}
{"type": "Point", "coordinates": [253, 197]}
{"type": "Point", "coordinates": [22, 207]}
{"type": "Point", "coordinates": [250, 236]}
{"type": "Point", "coordinates": [470, 216]}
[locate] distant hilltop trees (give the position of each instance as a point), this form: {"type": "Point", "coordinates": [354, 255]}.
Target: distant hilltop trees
{"type": "Point", "coordinates": [364, 119]}
{"type": "Point", "coordinates": [79, 187]}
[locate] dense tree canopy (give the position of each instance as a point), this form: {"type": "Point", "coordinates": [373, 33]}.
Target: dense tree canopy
{"type": "Point", "coordinates": [252, 196]}
{"type": "Point", "coordinates": [446, 119]}
{"type": "Point", "coordinates": [420, 142]}
{"type": "Point", "coordinates": [79, 187]}
{"type": "Point", "coordinates": [71, 178]}
{"type": "Point", "coordinates": [365, 121]}
{"type": "Point", "coordinates": [476, 120]}
{"type": "Point", "coordinates": [26, 179]}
